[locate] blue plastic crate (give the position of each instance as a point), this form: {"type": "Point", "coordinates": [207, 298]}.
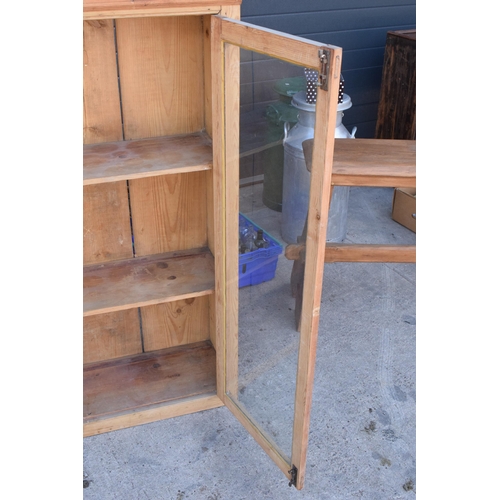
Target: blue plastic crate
{"type": "Point", "coordinates": [260, 265]}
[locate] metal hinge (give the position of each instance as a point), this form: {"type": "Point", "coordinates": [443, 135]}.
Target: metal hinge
{"type": "Point", "coordinates": [293, 476]}
{"type": "Point", "coordinates": [324, 59]}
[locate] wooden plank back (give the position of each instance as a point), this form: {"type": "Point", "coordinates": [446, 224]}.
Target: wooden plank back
{"type": "Point", "coordinates": [176, 323]}
{"type": "Point", "coordinates": [160, 61]}
{"type": "Point", "coordinates": [106, 223]}
{"type": "Point", "coordinates": [102, 120]}
{"type": "Point", "coordinates": [106, 218]}
{"type": "Point", "coordinates": [106, 228]}
{"type": "Point", "coordinates": [108, 336]}
{"type": "Point", "coordinates": [169, 213]}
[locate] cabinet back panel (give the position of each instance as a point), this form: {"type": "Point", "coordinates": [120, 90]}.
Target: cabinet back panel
{"type": "Point", "coordinates": [169, 213]}
{"type": "Point", "coordinates": [106, 217]}
{"type": "Point", "coordinates": [102, 120]}
{"type": "Point", "coordinates": [109, 336]}
{"type": "Point", "coordinates": [161, 63]}
{"type": "Point", "coordinates": [148, 82]}
{"type": "Point", "coordinates": [175, 323]}
{"type": "Point", "coordinates": [106, 223]}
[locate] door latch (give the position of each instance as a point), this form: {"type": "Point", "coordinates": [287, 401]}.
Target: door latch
{"type": "Point", "coordinates": [324, 59]}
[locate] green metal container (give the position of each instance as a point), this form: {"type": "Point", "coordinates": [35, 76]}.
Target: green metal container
{"type": "Point", "coordinates": [279, 113]}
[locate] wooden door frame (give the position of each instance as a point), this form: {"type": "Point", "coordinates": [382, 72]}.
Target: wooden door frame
{"type": "Point", "coordinates": [225, 98]}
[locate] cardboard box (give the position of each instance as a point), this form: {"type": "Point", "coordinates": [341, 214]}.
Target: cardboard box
{"type": "Point", "coordinates": [404, 211]}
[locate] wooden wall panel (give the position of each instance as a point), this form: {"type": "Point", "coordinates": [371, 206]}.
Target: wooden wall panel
{"type": "Point", "coordinates": [169, 213]}
{"type": "Point", "coordinates": [106, 223]}
{"type": "Point", "coordinates": [109, 336]}
{"type": "Point", "coordinates": [175, 323]}
{"type": "Point", "coordinates": [161, 65]}
{"type": "Point", "coordinates": [162, 89]}
{"type": "Point", "coordinates": [101, 99]}
{"type": "Point", "coordinates": [106, 216]}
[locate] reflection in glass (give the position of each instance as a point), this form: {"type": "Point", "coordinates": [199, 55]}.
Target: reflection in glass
{"type": "Point", "coordinates": [275, 106]}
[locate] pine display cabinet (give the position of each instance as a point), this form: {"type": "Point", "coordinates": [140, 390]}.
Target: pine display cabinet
{"type": "Point", "coordinates": [160, 228]}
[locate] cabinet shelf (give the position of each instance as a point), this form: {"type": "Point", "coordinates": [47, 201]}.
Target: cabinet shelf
{"type": "Point", "coordinates": [134, 159]}
{"type": "Point", "coordinates": [143, 281]}
{"type": "Point", "coordinates": [147, 381]}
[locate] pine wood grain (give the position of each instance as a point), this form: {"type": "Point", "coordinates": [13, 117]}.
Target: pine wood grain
{"type": "Point", "coordinates": [138, 382]}
{"type": "Point", "coordinates": [217, 198]}
{"type": "Point", "coordinates": [176, 323]}
{"type": "Point", "coordinates": [231, 10]}
{"type": "Point", "coordinates": [289, 48]}
{"type": "Point", "coordinates": [106, 223]}
{"type": "Point", "coordinates": [169, 213]}
{"type": "Point", "coordinates": [371, 162]}
{"type": "Point", "coordinates": [160, 62]}
{"type": "Point", "coordinates": [110, 336]}
{"type": "Point", "coordinates": [151, 11]}
{"type": "Point", "coordinates": [226, 158]}
{"type": "Point", "coordinates": [142, 281]}
{"type": "Point", "coordinates": [207, 73]}
{"type": "Point", "coordinates": [99, 9]}
{"type": "Point", "coordinates": [101, 100]}
{"type": "Point", "coordinates": [153, 413]}
{"type": "Point", "coordinates": [345, 252]}
{"type": "Point", "coordinates": [317, 222]}
{"type": "Point", "coordinates": [106, 218]}
{"type": "Point", "coordinates": [141, 158]}
{"type": "Point", "coordinates": [102, 4]}
{"type": "Point", "coordinates": [231, 86]}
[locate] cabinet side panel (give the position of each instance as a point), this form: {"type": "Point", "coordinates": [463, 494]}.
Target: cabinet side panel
{"type": "Point", "coordinates": [169, 212]}
{"type": "Point", "coordinates": [175, 323]}
{"type": "Point", "coordinates": [109, 336]}
{"type": "Point", "coordinates": [233, 12]}
{"type": "Point", "coordinates": [207, 75]}
{"type": "Point", "coordinates": [160, 62]}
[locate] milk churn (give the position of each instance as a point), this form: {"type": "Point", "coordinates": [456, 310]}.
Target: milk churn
{"type": "Point", "coordinates": [297, 179]}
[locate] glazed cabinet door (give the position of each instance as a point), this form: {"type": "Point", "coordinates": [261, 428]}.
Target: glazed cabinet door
{"type": "Point", "coordinates": [270, 91]}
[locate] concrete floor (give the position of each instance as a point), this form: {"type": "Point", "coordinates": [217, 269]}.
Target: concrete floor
{"type": "Point", "coordinates": [362, 435]}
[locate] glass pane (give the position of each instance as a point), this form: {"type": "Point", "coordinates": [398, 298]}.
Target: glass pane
{"type": "Point", "coordinates": [277, 113]}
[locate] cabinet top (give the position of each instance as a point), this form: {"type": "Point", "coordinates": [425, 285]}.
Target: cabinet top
{"type": "Point", "coordinates": [97, 9]}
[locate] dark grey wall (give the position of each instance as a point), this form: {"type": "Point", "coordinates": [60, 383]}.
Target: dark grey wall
{"type": "Point", "coordinates": [358, 26]}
